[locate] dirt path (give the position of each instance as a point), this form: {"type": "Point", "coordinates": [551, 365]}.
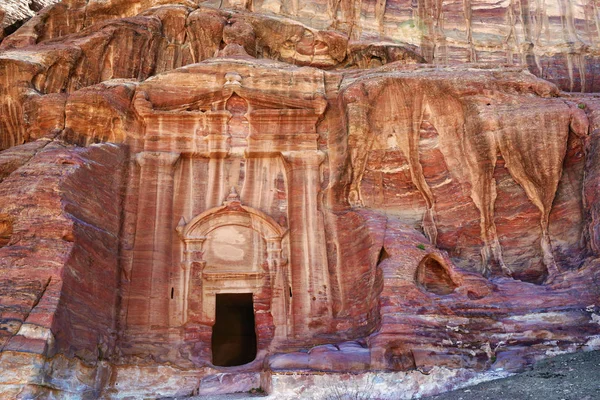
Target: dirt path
{"type": "Point", "coordinates": [569, 377]}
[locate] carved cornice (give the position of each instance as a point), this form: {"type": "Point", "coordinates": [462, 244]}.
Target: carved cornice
{"type": "Point", "coordinates": [215, 100]}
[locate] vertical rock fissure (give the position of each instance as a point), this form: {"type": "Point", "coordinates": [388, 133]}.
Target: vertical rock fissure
{"type": "Point", "coordinates": [539, 177]}
{"type": "Point", "coordinates": [467, 11]}
{"type": "Point", "coordinates": [361, 141]}
{"type": "Point", "coordinates": [481, 166]}
{"type": "Point", "coordinates": [416, 169]}
{"type": "Point", "coordinates": [380, 14]}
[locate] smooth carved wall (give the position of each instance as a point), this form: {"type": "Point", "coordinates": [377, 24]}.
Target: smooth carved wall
{"type": "Point", "coordinates": [233, 249]}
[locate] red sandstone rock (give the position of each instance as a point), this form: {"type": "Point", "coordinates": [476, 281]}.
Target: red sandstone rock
{"type": "Point", "coordinates": [386, 214]}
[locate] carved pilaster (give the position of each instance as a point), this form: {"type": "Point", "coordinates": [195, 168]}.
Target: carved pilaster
{"type": "Point", "coordinates": [193, 260]}
{"type": "Point", "coordinates": [280, 286]}
{"type": "Point", "coordinates": [310, 277]}
{"type": "Point", "coordinates": [153, 241]}
{"type": "Point", "coordinates": [218, 147]}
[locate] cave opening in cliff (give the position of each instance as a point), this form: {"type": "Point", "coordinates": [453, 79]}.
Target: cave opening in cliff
{"type": "Point", "coordinates": [6, 230]}
{"type": "Point", "coordinates": [234, 332]}
{"type": "Point", "coordinates": [383, 255]}
{"type": "Point", "coordinates": [433, 277]}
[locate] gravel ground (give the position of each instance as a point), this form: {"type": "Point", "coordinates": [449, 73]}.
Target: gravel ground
{"type": "Point", "coordinates": [233, 396]}
{"type": "Point", "coordinates": [567, 377]}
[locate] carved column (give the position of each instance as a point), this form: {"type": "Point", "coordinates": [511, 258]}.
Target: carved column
{"type": "Point", "coordinates": [192, 268]}
{"type": "Point", "coordinates": [280, 286]}
{"type": "Point", "coordinates": [218, 145]}
{"type": "Point", "coordinates": [149, 299]}
{"type": "Point", "coordinates": [215, 190]}
{"type": "Point", "coordinates": [310, 276]}
{"type": "Point", "coordinates": [251, 189]}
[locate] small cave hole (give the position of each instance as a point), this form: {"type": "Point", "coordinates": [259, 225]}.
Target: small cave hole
{"type": "Point", "coordinates": [172, 293]}
{"type": "Point", "coordinates": [536, 274]}
{"type": "Point", "coordinates": [6, 229]}
{"type": "Point", "coordinates": [383, 255]}
{"type": "Point", "coordinates": [68, 237]}
{"type": "Point", "coordinates": [290, 292]}
{"type": "Point", "coordinates": [36, 5]}
{"type": "Point", "coordinates": [433, 277]}
{"type": "Point", "coordinates": [376, 62]}
{"type": "Point", "coordinates": [234, 333]}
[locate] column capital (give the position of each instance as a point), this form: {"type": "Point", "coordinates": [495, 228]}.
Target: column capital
{"type": "Point", "coordinates": [158, 158]}
{"type": "Point", "coordinates": [306, 158]}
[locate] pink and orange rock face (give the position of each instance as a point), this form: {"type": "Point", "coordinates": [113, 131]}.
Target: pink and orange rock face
{"type": "Point", "coordinates": [346, 187]}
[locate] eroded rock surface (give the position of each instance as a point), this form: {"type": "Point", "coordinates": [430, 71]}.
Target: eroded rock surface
{"type": "Point", "coordinates": [387, 206]}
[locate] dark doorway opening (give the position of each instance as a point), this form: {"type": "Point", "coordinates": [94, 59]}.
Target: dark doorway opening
{"type": "Point", "coordinates": [234, 333]}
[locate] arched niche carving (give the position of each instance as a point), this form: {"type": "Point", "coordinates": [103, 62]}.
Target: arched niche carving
{"type": "Point", "coordinates": [234, 249]}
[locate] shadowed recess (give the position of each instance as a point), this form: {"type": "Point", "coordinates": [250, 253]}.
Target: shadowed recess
{"type": "Point", "coordinates": [234, 335]}
{"type": "Point", "coordinates": [383, 255]}
{"type": "Point", "coordinates": [6, 230]}
{"type": "Point", "coordinates": [433, 277]}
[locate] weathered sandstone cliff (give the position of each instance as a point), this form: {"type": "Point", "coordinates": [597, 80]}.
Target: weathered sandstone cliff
{"type": "Point", "coordinates": [370, 186]}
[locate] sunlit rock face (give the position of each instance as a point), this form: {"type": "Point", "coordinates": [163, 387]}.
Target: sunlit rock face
{"type": "Point", "coordinates": [14, 13]}
{"type": "Point", "coordinates": [296, 187]}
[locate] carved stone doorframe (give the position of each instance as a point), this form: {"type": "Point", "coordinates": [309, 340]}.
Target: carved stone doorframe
{"type": "Point", "coordinates": [199, 287]}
